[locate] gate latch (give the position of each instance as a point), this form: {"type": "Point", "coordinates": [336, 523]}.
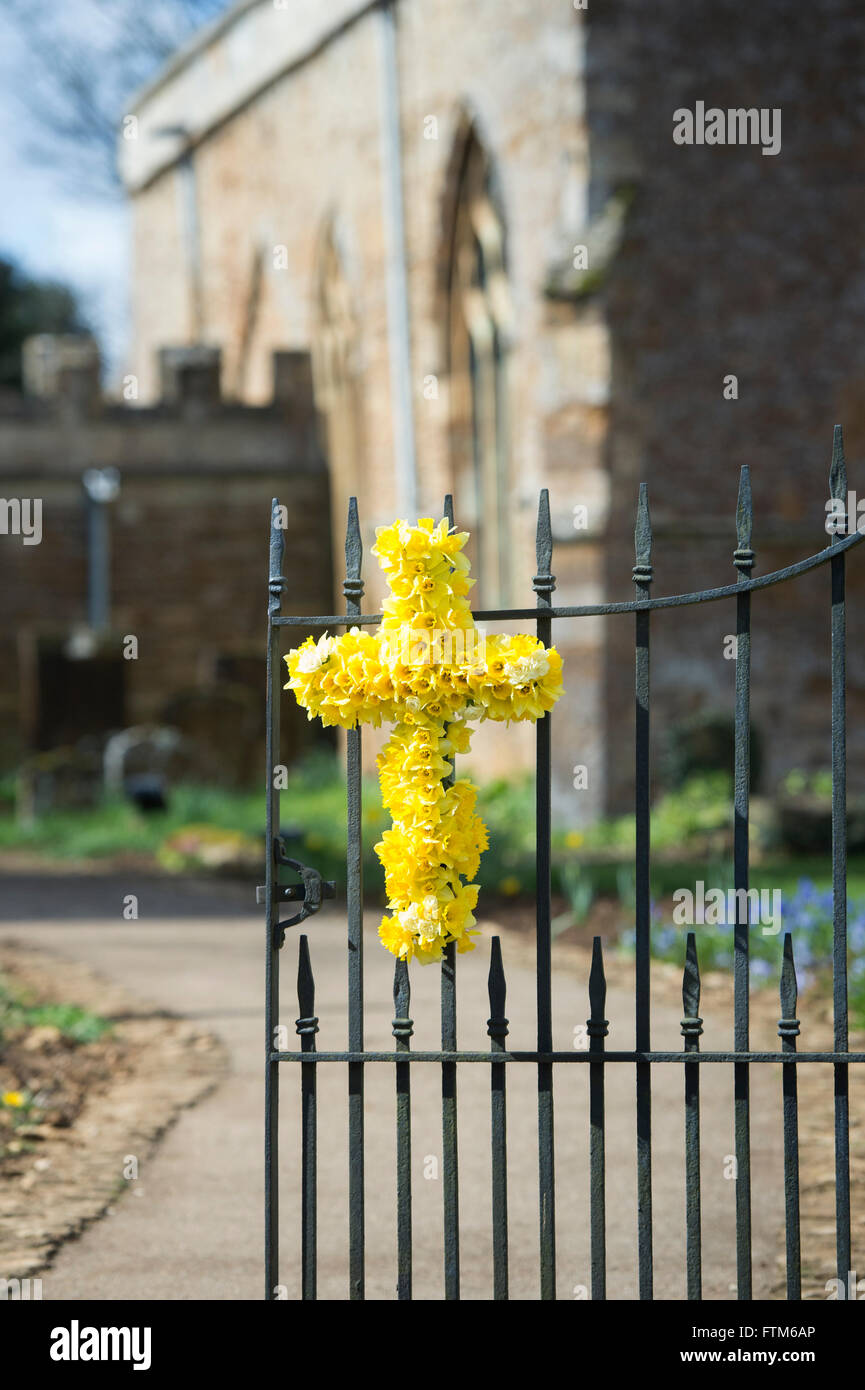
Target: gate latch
{"type": "Point", "coordinates": [310, 892]}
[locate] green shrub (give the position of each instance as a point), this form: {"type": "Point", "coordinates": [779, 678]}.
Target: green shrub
{"type": "Point", "coordinates": [79, 1025]}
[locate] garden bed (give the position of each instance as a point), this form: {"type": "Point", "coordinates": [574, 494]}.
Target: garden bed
{"type": "Point", "coordinates": [89, 1077]}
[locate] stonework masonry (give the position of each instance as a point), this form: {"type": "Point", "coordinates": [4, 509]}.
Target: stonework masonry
{"type": "Point", "coordinates": [529, 129]}
{"type": "Point", "coordinates": [188, 546]}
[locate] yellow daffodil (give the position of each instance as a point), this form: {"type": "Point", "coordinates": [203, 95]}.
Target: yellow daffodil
{"type": "Point", "coordinates": [416, 674]}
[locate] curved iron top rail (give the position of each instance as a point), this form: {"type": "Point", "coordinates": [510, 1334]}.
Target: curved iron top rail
{"type": "Point", "coordinates": [593, 610]}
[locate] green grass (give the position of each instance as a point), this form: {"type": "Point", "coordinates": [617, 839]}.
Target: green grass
{"type": "Point", "coordinates": [690, 842]}
{"type": "Point", "coordinates": [117, 827]}
{"type": "Point", "coordinates": [684, 823]}
{"type": "Point", "coordinates": [614, 878]}
{"type": "Point", "coordinates": [78, 1025]}
{"type": "Point", "coordinates": [313, 805]}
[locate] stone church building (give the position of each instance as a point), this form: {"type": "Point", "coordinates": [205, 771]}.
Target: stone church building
{"type": "Point", "coordinates": [509, 275]}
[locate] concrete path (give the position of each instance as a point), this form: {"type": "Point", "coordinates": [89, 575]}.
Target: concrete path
{"type": "Point", "coordinates": [192, 1226]}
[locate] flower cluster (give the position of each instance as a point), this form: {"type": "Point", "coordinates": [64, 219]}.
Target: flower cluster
{"type": "Point", "coordinates": [425, 672]}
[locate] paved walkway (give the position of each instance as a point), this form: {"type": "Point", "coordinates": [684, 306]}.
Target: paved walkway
{"type": "Point", "coordinates": [193, 1228]}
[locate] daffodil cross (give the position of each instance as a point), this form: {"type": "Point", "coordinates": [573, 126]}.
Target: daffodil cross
{"type": "Point", "coordinates": [431, 672]}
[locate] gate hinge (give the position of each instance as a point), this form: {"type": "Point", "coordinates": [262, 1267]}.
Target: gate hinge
{"type": "Point", "coordinates": [311, 891]}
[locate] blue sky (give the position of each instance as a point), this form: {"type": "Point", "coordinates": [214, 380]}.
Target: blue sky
{"type": "Point", "coordinates": [51, 229]}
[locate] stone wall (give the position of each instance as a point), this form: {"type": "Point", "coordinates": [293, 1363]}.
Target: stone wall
{"type": "Point", "coordinates": [188, 545]}
{"type": "Point", "coordinates": [733, 262]}
{"type": "Point", "coordinates": [703, 262]}
{"type": "Point", "coordinates": [301, 163]}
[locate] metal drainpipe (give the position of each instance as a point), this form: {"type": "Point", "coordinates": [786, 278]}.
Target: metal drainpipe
{"type": "Point", "coordinates": [101, 486]}
{"type": "Point", "coordinates": [396, 278]}
{"type": "Point", "coordinates": [192, 238]}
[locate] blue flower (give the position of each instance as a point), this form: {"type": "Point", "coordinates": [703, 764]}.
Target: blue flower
{"type": "Point", "coordinates": [667, 937]}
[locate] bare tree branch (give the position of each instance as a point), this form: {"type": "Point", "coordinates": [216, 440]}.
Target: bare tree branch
{"type": "Point", "coordinates": [82, 65]}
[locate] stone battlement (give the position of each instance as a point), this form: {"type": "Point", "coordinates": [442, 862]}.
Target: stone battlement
{"type": "Point", "coordinates": [184, 553]}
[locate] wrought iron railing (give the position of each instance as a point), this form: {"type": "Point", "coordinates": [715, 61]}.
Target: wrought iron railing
{"type": "Point", "coordinates": [544, 1057]}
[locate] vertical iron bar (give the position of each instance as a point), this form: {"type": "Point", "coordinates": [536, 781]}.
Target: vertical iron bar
{"type": "Point", "coordinates": [307, 1027]}
{"type": "Point", "coordinates": [271, 913]}
{"type": "Point", "coordinates": [598, 1028]}
{"type": "Point", "coordinates": [450, 1156]}
{"type": "Point", "coordinates": [353, 591]}
{"type": "Point", "coordinates": [788, 1028]}
{"type": "Point", "coordinates": [497, 1028]}
{"type": "Point", "coordinates": [450, 1168]}
{"type": "Point", "coordinates": [402, 1031]}
{"type": "Point", "coordinates": [692, 1027]}
{"type": "Point", "coordinates": [642, 576]}
{"type": "Point", "coordinates": [544, 584]}
{"type": "Point", "coordinates": [838, 490]}
{"type": "Point", "coordinates": [743, 559]}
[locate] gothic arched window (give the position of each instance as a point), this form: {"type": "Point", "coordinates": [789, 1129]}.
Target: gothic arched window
{"type": "Point", "coordinates": [478, 330]}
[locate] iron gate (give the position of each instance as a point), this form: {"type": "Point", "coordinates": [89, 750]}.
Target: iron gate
{"type": "Point", "coordinates": [310, 890]}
